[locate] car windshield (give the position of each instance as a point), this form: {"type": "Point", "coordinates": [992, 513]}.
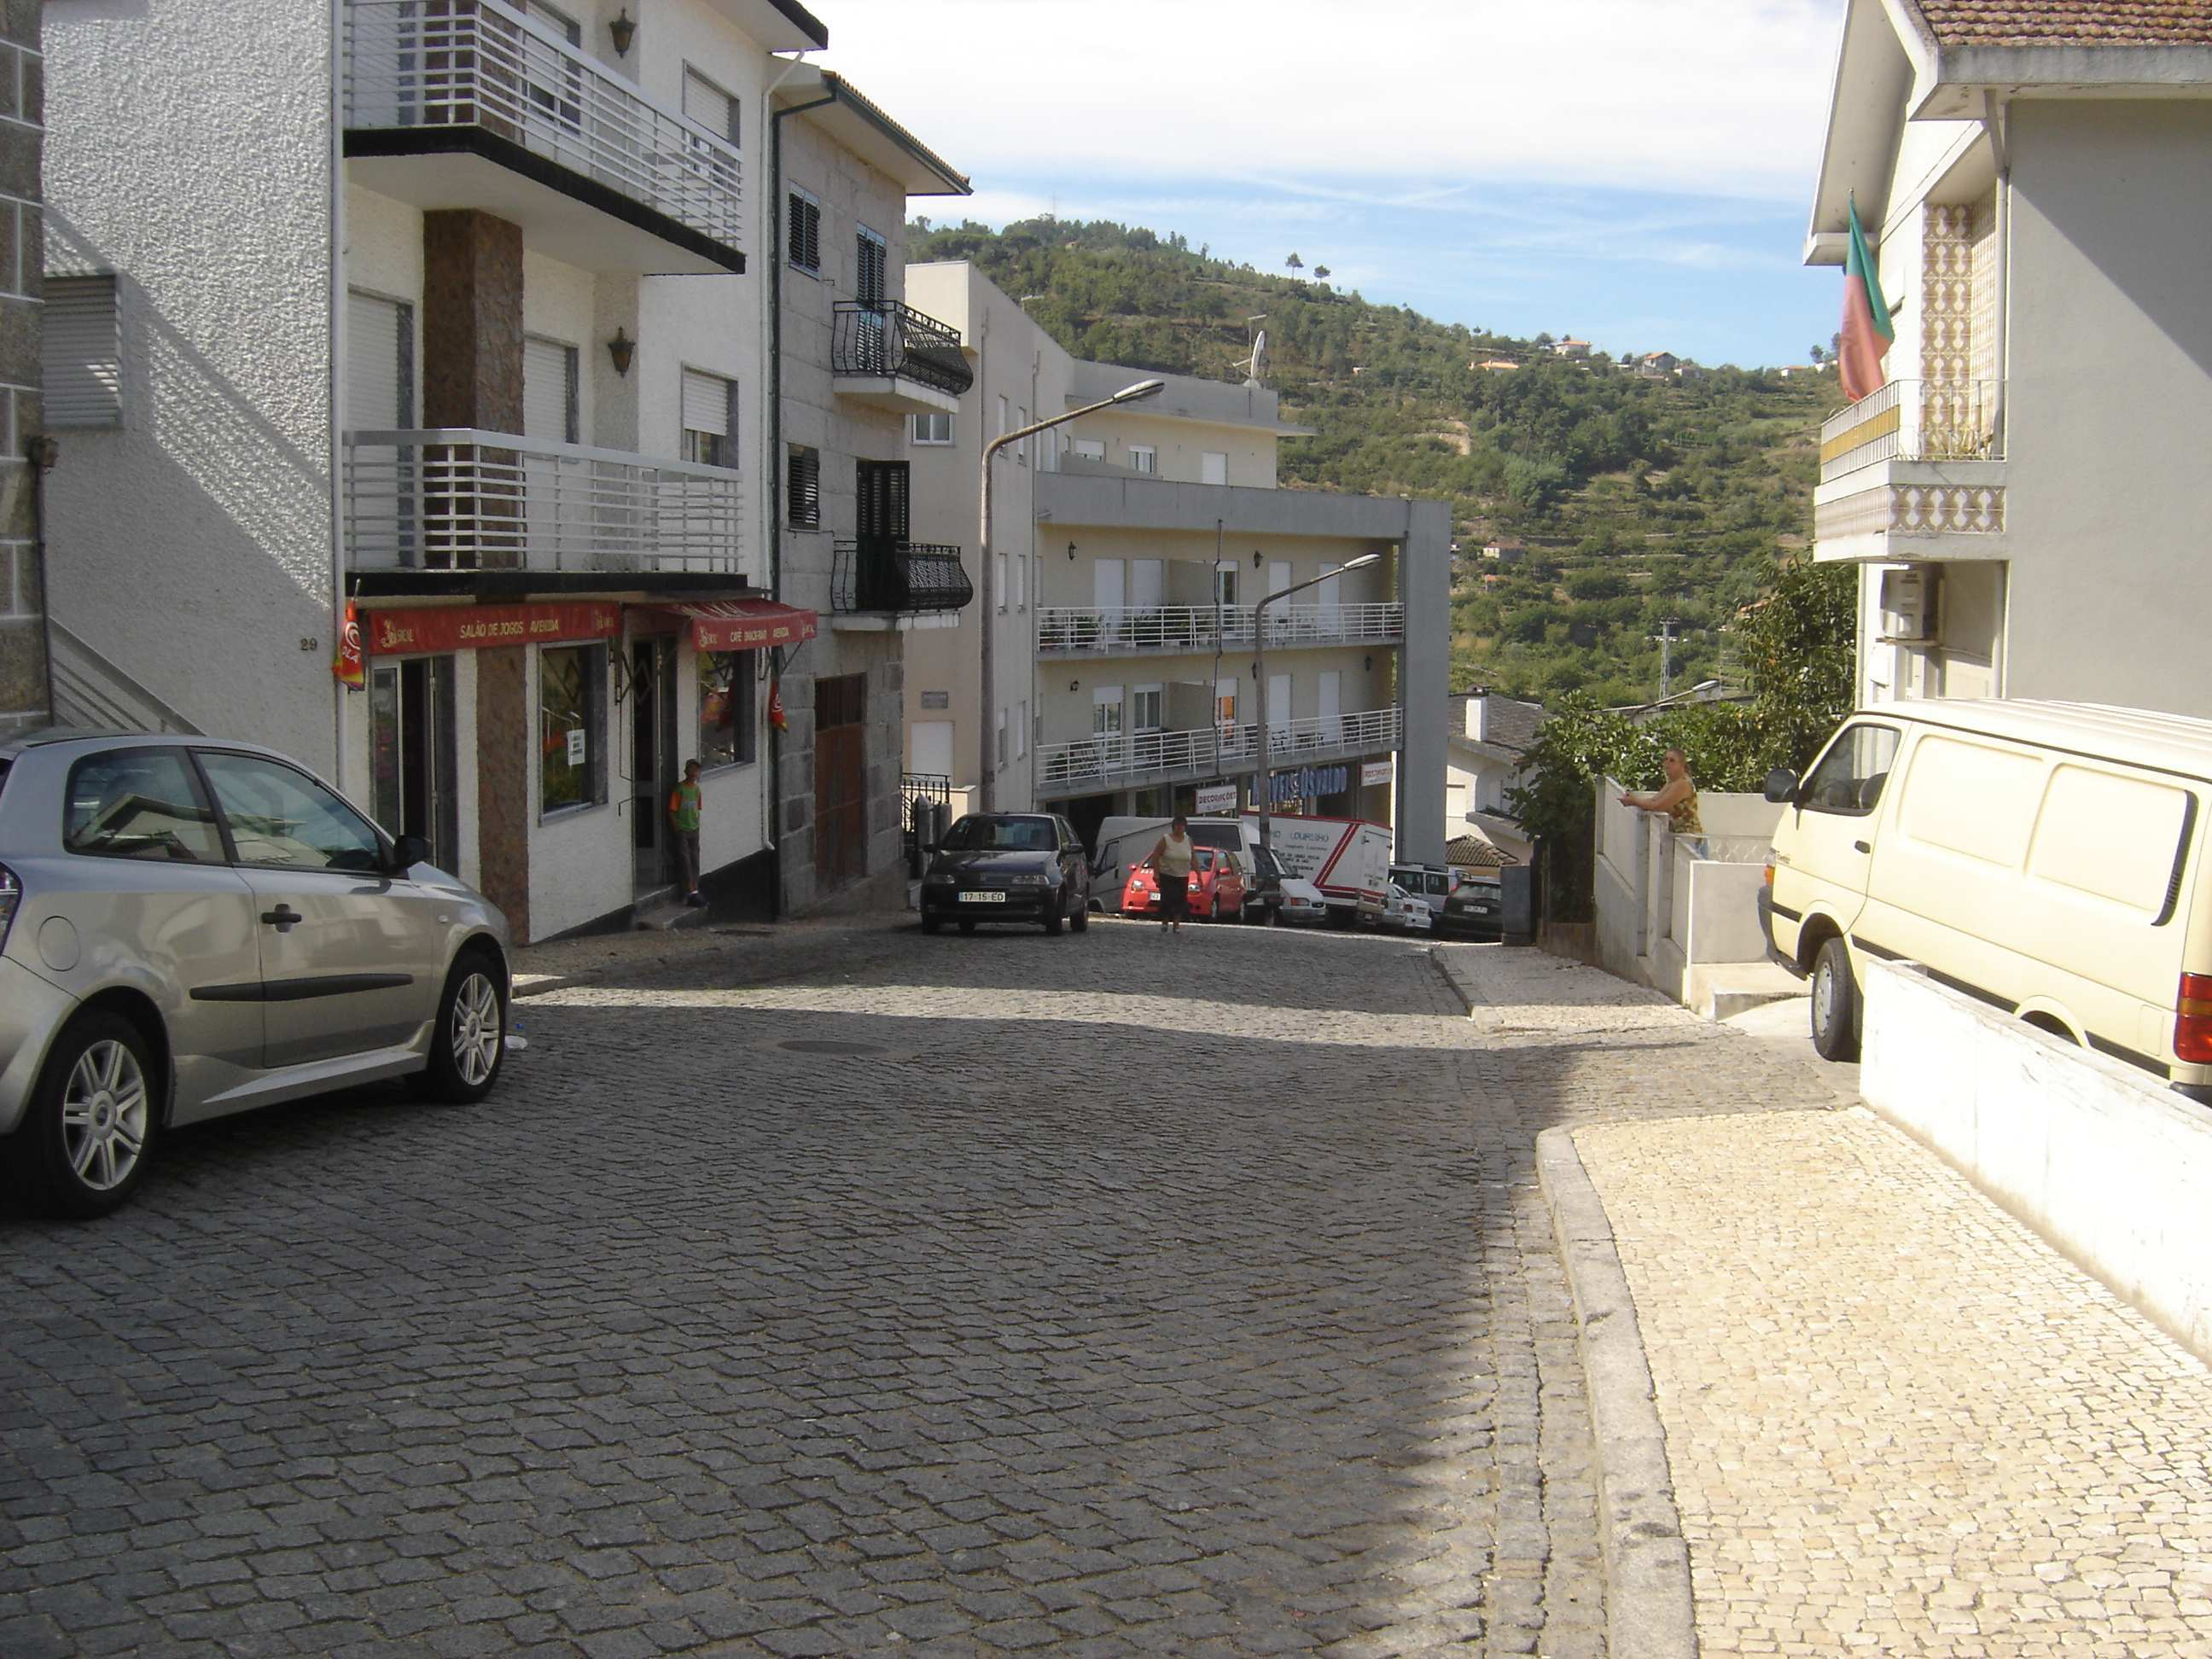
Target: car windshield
{"type": "Point", "coordinates": [981, 834]}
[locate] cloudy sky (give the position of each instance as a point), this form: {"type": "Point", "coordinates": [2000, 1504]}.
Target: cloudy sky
{"type": "Point", "coordinates": [1635, 172]}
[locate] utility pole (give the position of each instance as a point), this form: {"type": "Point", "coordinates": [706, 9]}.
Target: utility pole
{"type": "Point", "coordinates": [1667, 655]}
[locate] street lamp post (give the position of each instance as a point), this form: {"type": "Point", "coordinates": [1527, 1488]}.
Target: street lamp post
{"type": "Point", "coordinates": [987, 586]}
{"type": "Point", "coordinates": [1263, 789]}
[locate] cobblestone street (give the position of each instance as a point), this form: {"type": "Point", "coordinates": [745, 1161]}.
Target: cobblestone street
{"type": "Point", "coordinates": [1096, 1294]}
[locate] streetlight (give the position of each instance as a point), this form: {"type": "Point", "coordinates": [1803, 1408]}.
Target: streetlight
{"type": "Point", "coordinates": [985, 725]}
{"type": "Point", "coordinates": [1264, 786]}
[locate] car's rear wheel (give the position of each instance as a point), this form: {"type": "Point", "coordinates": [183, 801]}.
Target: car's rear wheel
{"type": "Point", "coordinates": [1053, 920]}
{"type": "Point", "coordinates": [930, 924]}
{"type": "Point", "coordinates": [1835, 1003]}
{"type": "Point", "coordinates": [468, 1044]}
{"type": "Point", "coordinates": [84, 1144]}
{"type": "Point", "coordinates": [1079, 917]}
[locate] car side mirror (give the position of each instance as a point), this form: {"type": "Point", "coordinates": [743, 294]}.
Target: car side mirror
{"type": "Point", "coordinates": [409, 851]}
{"type": "Point", "coordinates": [1782, 785]}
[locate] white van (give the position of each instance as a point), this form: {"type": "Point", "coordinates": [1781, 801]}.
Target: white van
{"type": "Point", "coordinates": [1124, 844]}
{"type": "Point", "coordinates": [2045, 857]}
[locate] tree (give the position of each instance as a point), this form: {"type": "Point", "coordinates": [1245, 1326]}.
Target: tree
{"type": "Point", "coordinates": [1819, 354]}
{"type": "Point", "coordinates": [1321, 273]}
{"type": "Point", "coordinates": [1294, 261]}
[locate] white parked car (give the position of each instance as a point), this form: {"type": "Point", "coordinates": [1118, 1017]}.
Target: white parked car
{"type": "Point", "coordinates": [1407, 913]}
{"type": "Point", "coordinates": [1302, 901]}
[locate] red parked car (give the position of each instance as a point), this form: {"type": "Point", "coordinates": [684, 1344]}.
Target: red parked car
{"type": "Point", "coordinates": [1217, 887]}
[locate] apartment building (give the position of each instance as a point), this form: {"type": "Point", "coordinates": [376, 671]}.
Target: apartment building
{"type": "Point", "coordinates": [1160, 531]}
{"type": "Point", "coordinates": [451, 474]}
{"type": "Point", "coordinates": [2023, 497]}
{"type": "Point", "coordinates": [854, 363]}
{"type": "Point", "coordinates": [1020, 375]}
{"type": "Point", "coordinates": [24, 699]}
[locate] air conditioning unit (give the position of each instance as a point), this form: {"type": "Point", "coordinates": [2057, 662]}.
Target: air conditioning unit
{"type": "Point", "coordinates": [1908, 605]}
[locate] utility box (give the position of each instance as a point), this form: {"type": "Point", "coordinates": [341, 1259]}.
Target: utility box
{"type": "Point", "coordinates": [1516, 903]}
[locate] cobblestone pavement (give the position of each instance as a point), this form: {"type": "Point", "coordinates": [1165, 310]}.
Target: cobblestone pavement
{"type": "Point", "coordinates": [1898, 1423]}
{"type": "Point", "coordinates": [1099, 1294]}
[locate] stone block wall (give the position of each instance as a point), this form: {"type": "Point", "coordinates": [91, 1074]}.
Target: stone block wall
{"type": "Point", "coordinates": [23, 675]}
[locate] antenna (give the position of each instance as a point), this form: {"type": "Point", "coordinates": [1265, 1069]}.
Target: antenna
{"type": "Point", "coordinates": [1258, 350]}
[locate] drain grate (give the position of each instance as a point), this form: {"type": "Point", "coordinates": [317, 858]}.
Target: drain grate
{"type": "Point", "coordinates": [827, 1046]}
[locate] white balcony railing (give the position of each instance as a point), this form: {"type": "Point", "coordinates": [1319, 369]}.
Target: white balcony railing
{"type": "Point", "coordinates": [1072, 630]}
{"type": "Point", "coordinates": [412, 64]}
{"type": "Point", "coordinates": [1916, 420]}
{"type": "Point", "coordinates": [456, 498]}
{"type": "Point", "coordinates": [1120, 759]}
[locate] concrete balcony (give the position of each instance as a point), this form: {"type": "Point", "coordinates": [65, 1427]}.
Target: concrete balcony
{"type": "Point", "coordinates": [470, 104]}
{"type": "Point", "coordinates": [456, 498]}
{"type": "Point", "coordinates": [1913, 472]}
{"type": "Point", "coordinates": [893, 357]}
{"type": "Point", "coordinates": [1168, 630]}
{"type": "Point", "coordinates": [877, 587]}
{"type": "Point", "coordinates": [1124, 760]}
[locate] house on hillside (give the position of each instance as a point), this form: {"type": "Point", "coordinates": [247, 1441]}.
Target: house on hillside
{"type": "Point", "coordinates": [1657, 363]}
{"type": "Point", "coordinates": [1505, 551]}
{"type": "Point", "coordinates": [1571, 348]}
{"type": "Point", "coordinates": [2024, 495]}
{"type": "Point", "coordinates": [1489, 734]}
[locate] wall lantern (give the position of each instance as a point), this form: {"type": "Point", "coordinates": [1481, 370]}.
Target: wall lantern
{"type": "Point", "coordinates": [1070, 552]}
{"type": "Point", "coordinates": [1255, 558]}
{"type": "Point", "coordinates": [622, 350]}
{"type": "Point", "coordinates": [624, 31]}
{"type": "Point", "coordinates": [1367, 662]}
{"type": "Point", "coordinates": [1075, 686]}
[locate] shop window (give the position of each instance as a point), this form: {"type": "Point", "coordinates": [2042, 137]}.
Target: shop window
{"type": "Point", "coordinates": [572, 688]}
{"type": "Point", "coordinates": [728, 723]}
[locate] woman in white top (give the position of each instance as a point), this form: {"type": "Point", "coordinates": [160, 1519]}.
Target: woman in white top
{"type": "Point", "coordinates": [1171, 861]}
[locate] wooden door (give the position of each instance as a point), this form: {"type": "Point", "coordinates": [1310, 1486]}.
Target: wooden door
{"type": "Point", "coordinates": [841, 780]}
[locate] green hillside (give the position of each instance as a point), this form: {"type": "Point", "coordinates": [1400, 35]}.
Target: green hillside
{"type": "Point", "coordinates": [1638, 498]}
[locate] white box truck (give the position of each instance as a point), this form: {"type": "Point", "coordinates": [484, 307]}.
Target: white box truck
{"type": "Point", "coordinates": [1348, 859]}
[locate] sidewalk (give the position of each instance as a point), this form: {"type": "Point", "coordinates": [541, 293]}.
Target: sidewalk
{"type": "Point", "coordinates": [738, 953]}
{"type": "Point", "coordinates": [1896, 1421]}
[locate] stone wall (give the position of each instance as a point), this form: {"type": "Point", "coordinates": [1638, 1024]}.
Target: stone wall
{"type": "Point", "coordinates": [23, 683]}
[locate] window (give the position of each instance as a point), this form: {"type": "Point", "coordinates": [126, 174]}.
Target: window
{"type": "Point", "coordinates": [555, 19]}
{"type": "Point", "coordinates": [727, 717]}
{"type": "Point", "coordinates": [1087, 449]}
{"type": "Point", "coordinates": [1145, 708]}
{"type": "Point", "coordinates": [999, 579]}
{"type": "Point", "coordinates": [1002, 737]}
{"type": "Point", "coordinates": [710, 419]}
{"type": "Point", "coordinates": [1850, 776]}
{"type": "Point", "coordinates": [709, 105]}
{"type": "Point", "coordinates": [1213, 467]}
{"type": "Point", "coordinates": [1143, 458]}
{"type": "Point", "coordinates": [1020, 570]}
{"type": "Point", "coordinates": [872, 262]}
{"type": "Point", "coordinates": [803, 487]}
{"type": "Point", "coordinates": [1022, 449]}
{"type": "Point", "coordinates": [572, 681]}
{"type": "Point", "coordinates": [1224, 583]}
{"type": "Point", "coordinates": [280, 817]}
{"type": "Point", "coordinates": [139, 804]}
{"type": "Point", "coordinates": [934, 426]}
{"type": "Point", "coordinates": [379, 361]}
{"type": "Point", "coordinates": [802, 233]}
{"type": "Point", "coordinates": [549, 391]}
{"type": "Point", "coordinates": [1022, 729]}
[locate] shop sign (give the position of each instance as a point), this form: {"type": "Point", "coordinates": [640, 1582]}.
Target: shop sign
{"type": "Point", "coordinates": [483, 627]}
{"type": "Point", "coordinates": [1309, 783]}
{"type": "Point", "coordinates": [1215, 798]}
{"type": "Point", "coordinates": [1374, 772]}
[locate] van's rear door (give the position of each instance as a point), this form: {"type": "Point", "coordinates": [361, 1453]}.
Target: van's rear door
{"type": "Point", "coordinates": [1822, 859]}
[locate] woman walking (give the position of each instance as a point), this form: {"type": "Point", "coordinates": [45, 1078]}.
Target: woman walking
{"type": "Point", "coordinates": [1172, 862]}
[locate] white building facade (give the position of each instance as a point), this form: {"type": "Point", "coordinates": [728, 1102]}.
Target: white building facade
{"type": "Point", "coordinates": [2023, 496]}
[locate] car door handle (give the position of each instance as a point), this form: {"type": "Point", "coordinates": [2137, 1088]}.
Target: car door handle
{"type": "Point", "coordinates": [1861, 847]}
{"type": "Point", "coordinates": [282, 918]}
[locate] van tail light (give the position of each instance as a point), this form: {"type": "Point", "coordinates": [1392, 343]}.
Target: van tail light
{"type": "Point", "coordinates": [11, 894]}
{"type": "Point", "coordinates": [1770, 873]}
{"type": "Point", "coordinates": [2192, 1022]}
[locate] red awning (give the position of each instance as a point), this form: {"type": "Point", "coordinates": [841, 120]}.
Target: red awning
{"type": "Point", "coordinates": [745, 624]}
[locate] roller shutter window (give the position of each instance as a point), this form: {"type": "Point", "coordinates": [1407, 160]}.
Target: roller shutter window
{"type": "Point", "coordinates": [707, 105]}
{"type": "Point", "coordinates": [380, 363]}
{"type": "Point", "coordinates": [82, 353]}
{"type": "Point", "coordinates": [803, 492]}
{"type": "Point", "coordinates": [549, 411]}
{"type": "Point", "coordinates": [710, 419]}
{"type": "Point", "coordinates": [803, 232]}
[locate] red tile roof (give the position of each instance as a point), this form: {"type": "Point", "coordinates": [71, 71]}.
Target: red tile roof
{"type": "Point", "coordinates": [2068, 22]}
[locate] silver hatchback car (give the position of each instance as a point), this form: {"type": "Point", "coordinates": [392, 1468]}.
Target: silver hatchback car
{"type": "Point", "coordinates": [191, 928]}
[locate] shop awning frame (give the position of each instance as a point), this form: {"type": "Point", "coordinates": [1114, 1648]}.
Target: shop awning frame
{"type": "Point", "coordinates": [744, 624]}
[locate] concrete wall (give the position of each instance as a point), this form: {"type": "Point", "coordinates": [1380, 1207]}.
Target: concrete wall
{"type": "Point", "coordinates": [201, 530]}
{"type": "Point", "coordinates": [22, 605]}
{"type": "Point", "coordinates": [1425, 679]}
{"type": "Point", "coordinates": [1665, 915]}
{"type": "Point", "coordinates": [2109, 399]}
{"type": "Point", "coordinates": [2104, 1160]}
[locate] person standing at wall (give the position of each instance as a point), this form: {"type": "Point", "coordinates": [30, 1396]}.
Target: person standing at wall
{"type": "Point", "coordinates": [684, 805]}
{"type": "Point", "coordinates": [1172, 862]}
{"type": "Point", "coordinates": [1677, 797]}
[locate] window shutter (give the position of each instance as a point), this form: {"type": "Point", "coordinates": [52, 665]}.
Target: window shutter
{"type": "Point", "coordinates": [706, 404]}
{"type": "Point", "coordinates": [813, 237]}
{"type": "Point", "coordinates": [803, 477]}
{"type": "Point", "coordinates": [82, 353]}
{"type": "Point", "coordinates": [894, 500]}
{"type": "Point", "coordinates": [868, 287]}
{"type": "Point", "coordinates": [549, 391]}
{"type": "Point", "coordinates": [805, 233]}
{"type": "Point", "coordinates": [379, 354]}
{"type": "Point", "coordinates": [709, 106]}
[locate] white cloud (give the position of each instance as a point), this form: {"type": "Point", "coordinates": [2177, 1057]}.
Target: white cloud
{"type": "Point", "coordinates": [1710, 97]}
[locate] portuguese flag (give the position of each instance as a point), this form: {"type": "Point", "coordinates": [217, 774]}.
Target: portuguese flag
{"type": "Point", "coordinates": [1868, 331]}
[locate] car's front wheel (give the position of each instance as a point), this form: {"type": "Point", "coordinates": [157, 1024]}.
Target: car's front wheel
{"type": "Point", "coordinates": [469, 1042]}
{"type": "Point", "coordinates": [84, 1146]}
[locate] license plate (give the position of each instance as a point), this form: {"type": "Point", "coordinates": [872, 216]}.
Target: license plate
{"type": "Point", "coordinates": [982, 898]}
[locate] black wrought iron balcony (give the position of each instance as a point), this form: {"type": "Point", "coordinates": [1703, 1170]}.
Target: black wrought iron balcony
{"type": "Point", "coordinates": [897, 578]}
{"type": "Point", "coordinates": [892, 342]}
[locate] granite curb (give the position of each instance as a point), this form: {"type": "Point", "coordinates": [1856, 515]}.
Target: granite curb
{"type": "Point", "coordinates": [1649, 1610]}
